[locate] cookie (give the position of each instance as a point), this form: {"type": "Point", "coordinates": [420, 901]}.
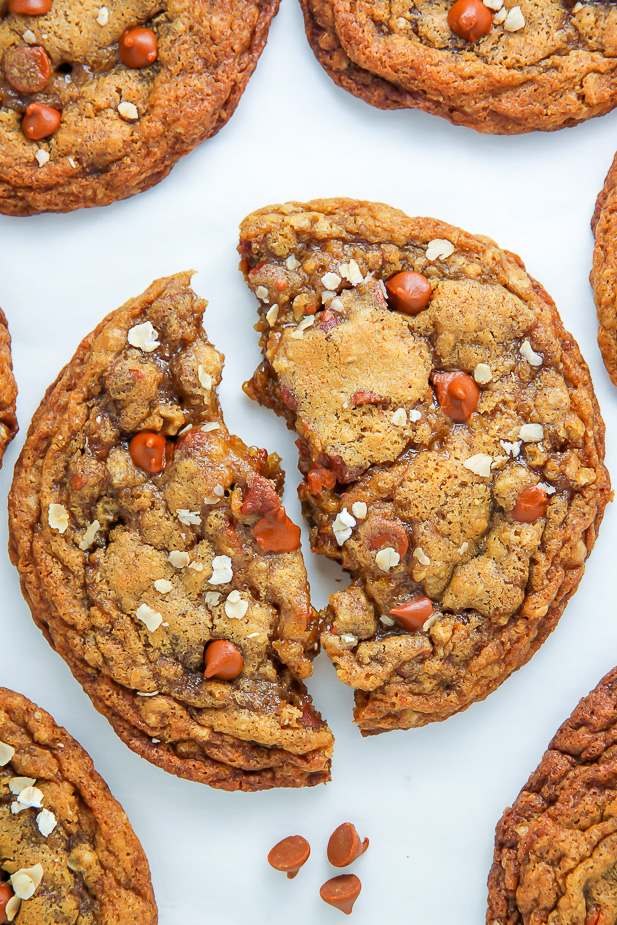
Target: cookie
{"type": "Point", "coordinates": [156, 557]}
{"type": "Point", "coordinates": [98, 102]}
{"type": "Point", "coordinates": [8, 389]}
{"type": "Point", "coordinates": [451, 446]}
{"type": "Point", "coordinates": [604, 272]}
{"type": "Point", "coordinates": [69, 853]}
{"type": "Point", "coordinates": [556, 848]}
{"type": "Point", "coordinates": [495, 67]}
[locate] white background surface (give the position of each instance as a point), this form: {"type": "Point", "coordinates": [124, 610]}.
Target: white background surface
{"type": "Point", "coordinates": [428, 799]}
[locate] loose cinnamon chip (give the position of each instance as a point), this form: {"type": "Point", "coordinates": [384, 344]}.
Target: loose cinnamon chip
{"type": "Point", "coordinates": [277, 533]}
{"type": "Point", "coordinates": [341, 892]}
{"type": "Point", "coordinates": [289, 855]}
{"type": "Point", "coordinates": [345, 845]}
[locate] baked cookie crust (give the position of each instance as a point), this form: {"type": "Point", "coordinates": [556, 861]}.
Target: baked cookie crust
{"type": "Point", "coordinates": [603, 275]}
{"type": "Point", "coordinates": [93, 868]}
{"type": "Point", "coordinates": [556, 848]}
{"type": "Point", "coordinates": [121, 128]}
{"type": "Point", "coordinates": [422, 509]}
{"type": "Point", "coordinates": [557, 70]}
{"type": "Point", "coordinates": [132, 574]}
{"type": "Point", "coordinates": [8, 389]}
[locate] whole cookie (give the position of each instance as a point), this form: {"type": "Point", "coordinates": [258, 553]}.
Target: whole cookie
{"type": "Point", "coordinates": [67, 850]}
{"type": "Point", "coordinates": [8, 389]}
{"type": "Point", "coordinates": [450, 443]}
{"type": "Point", "coordinates": [604, 272]}
{"type": "Point", "coordinates": [502, 68]}
{"type": "Point", "coordinates": [156, 557]}
{"type": "Point", "coordinates": [98, 102]}
{"type": "Point", "coordinates": [556, 849]}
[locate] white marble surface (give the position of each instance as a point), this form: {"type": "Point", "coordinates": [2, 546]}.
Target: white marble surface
{"type": "Point", "coordinates": [428, 799]}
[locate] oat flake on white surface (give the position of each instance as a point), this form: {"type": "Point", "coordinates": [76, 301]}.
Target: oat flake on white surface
{"type": "Point", "coordinates": [143, 336]}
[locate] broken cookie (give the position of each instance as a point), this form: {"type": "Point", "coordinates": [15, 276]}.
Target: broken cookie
{"type": "Point", "coordinates": [68, 852]}
{"type": "Point", "coordinates": [451, 446]}
{"type": "Point", "coordinates": [157, 559]}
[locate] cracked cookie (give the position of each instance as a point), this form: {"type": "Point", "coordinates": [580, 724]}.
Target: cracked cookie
{"type": "Point", "coordinates": [67, 850]}
{"type": "Point", "coordinates": [8, 389]}
{"type": "Point", "coordinates": [556, 848]}
{"type": "Point", "coordinates": [451, 446]}
{"type": "Point", "coordinates": [498, 67]}
{"type": "Point", "coordinates": [603, 275]}
{"type": "Point", "coordinates": [157, 559]}
{"type": "Point", "coordinates": [99, 100]}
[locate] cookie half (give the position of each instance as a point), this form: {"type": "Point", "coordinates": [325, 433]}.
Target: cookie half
{"type": "Point", "coordinates": [450, 443]}
{"type": "Point", "coordinates": [69, 853]}
{"type": "Point", "coordinates": [604, 272]}
{"type": "Point", "coordinates": [8, 389]}
{"type": "Point", "coordinates": [556, 848]}
{"type": "Point", "coordinates": [156, 557]}
{"type": "Point", "coordinates": [99, 102]}
{"type": "Point", "coordinates": [507, 68]}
